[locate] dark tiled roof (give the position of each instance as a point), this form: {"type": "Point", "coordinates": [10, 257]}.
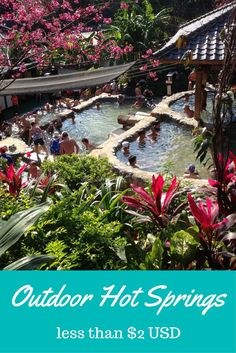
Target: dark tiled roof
{"type": "Point", "coordinates": [203, 37]}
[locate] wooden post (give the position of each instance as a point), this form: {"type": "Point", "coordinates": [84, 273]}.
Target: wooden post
{"type": "Point", "coordinates": [201, 78]}
{"type": "Point", "coordinates": [198, 92]}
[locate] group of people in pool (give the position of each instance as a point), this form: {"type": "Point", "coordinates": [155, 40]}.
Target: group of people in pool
{"type": "Point", "coordinates": [141, 139]}
{"type": "Point", "coordinates": [190, 172]}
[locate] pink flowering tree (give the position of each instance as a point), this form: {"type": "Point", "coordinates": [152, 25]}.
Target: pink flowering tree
{"type": "Point", "coordinates": [140, 31]}
{"type": "Point", "coordinates": [38, 33]}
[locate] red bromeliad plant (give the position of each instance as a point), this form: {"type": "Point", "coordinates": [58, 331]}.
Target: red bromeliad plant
{"type": "Point", "coordinates": [155, 204]}
{"type": "Point", "coordinates": [13, 179]}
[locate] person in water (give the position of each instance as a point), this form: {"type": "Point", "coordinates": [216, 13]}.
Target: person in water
{"type": "Point", "coordinates": [155, 132]}
{"type": "Point", "coordinates": [189, 112]}
{"type": "Point", "coordinates": [141, 136]}
{"type": "Point", "coordinates": [88, 146]}
{"type": "Point", "coordinates": [125, 148]}
{"type": "Point", "coordinates": [98, 105]}
{"type": "Point", "coordinates": [191, 173]}
{"type": "Point", "coordinates": [133, 161]}
{"type": "Point", "coordinates": [68, 145]}
{"type": "Point", "coordinates": [138, 103]}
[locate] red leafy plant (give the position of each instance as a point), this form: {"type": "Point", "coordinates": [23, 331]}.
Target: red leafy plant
{"type": "Point", "coordinates": [225, 183]}
{"type": "Point", "coordinates": [155, 204]}
{"type": "Point", "coordinates": [13, 179]}
{"type": "Point", "coordinates": [213, 230]}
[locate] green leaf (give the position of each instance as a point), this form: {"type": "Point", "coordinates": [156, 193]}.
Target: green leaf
{"type": "Point", "coordinates": [14, 228]}
{"type": "Point", "coordinates": [183, 247]}
{"type": "Point", "coordinates": [48, 187]}
{"type": "Point", "coordinates": [153, 260]}
{"type": "Point", "coordinates": [30, 262]}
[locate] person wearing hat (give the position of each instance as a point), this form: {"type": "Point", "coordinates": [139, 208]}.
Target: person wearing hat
{"type": "Point", "coordinates": [55, 144]}
{"type": "Point", "coordinates": [3, 154]}
{"type": "Point", "coordinates": [125, 148]}
{"type": "Point", "coordinates": [191, 173]}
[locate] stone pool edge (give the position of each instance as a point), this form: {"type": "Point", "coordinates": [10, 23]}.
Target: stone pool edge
{"type": "Point", "coordinates": [163, 112]}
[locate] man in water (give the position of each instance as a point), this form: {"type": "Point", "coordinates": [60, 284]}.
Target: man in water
{"type": "Point", "coordinates": [141, 136]}
{"type": "Point", "coordinates": [125, 148]}
{"type": "Point", "coordinates": [88, 146]}
{"type": "Point", "coordinates": [132, 161]}
{"type": "Point", "coordinates": [189, 112]}
{"type": "Point", "coordinates": [68, 145]}
{"type": "Point", "coordinates": [191, 173]}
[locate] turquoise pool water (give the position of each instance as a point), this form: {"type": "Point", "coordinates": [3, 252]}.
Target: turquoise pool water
{"type": "Point", "coordinates": [172, 152]}
{"type": "Point", "coordinates": [95, 124]}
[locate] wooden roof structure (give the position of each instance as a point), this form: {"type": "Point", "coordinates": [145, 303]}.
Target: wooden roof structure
{"type": "Point", "coordinates": [200, 42]}
{"type": "Point", "coordinates": [201, 36]}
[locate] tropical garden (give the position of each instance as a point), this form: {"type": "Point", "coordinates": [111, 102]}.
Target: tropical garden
{"type": "Point", "coordinates": [79, 214]}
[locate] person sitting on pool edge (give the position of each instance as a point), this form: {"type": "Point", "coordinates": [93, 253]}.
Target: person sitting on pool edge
{"type": "Point", "coordinates": [88, 146]}
{"type": "Point", "coordinates": [191, 173]}
{"type": "Point", "coordinates": [125, 148]}
{"type": "Point", "coordinates": [132, 161]}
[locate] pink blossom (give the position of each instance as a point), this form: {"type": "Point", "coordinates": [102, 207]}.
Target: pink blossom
{"type": "Point", "coordinates": [143, 68]}
{"type": "Point", "coordinates": [124, 6]}
{"type": "Point", "coordinates": [107, 20]}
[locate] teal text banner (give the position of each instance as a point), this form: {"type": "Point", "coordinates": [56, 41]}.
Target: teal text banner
{"type": "Point", "coordinates": [106, 312]}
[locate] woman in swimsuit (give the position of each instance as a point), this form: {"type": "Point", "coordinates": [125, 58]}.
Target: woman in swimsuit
{"type": "Point", "coordinates": [37, 135]}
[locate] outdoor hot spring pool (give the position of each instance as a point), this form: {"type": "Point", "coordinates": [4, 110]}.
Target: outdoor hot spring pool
{"type": "Point", "coordinates": [172, 152]}
{"type": "Point", "coordinates": [96, 125]}
{"type": "Point", "coordinates": [178, 106]}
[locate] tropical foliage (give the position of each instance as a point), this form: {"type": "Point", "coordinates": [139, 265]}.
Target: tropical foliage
{"type": "Point", "coordinates": [137, 25]}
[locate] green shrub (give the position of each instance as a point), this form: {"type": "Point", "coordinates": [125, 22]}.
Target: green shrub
{"type": "Point", "coordinates": [75, 170]}
{"type": "Point", "coordinates": [77, 234]}
{"type": "Point", "coordinates": [11, 204]}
